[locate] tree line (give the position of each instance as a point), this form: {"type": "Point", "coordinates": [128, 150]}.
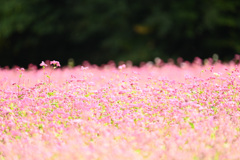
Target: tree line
{"type": "Point", "coordinates": [103, 30]}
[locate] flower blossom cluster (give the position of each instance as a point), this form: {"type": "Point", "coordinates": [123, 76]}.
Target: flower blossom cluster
{"type": "Point", "coordinates": [56, 63]}
{"type": "Point", "coordinates": [156, 111]}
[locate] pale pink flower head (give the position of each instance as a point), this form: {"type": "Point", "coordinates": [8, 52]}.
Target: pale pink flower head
{"type": "Point", "coordinates": [55, 63]}
{"type": "Point", "coordinates": [20, 69]}
{"type": "Point", "coordinates": [122, 66]}
{"type": "Point", "coordinates": [43, 64]}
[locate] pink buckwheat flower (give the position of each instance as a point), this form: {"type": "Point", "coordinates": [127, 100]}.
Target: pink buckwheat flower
{"type": "Point", "coordinates": [55, 63]}
{"type": "Point", "coordinates": [43, 64]}
{"type": "Point", "coordinates": [20, 69]}
{"type": "Point", "coordinates": [122, 66]}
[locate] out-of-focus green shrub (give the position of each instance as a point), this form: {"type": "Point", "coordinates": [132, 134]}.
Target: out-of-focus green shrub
{"type": "Point", "coordinates": [101, 30]}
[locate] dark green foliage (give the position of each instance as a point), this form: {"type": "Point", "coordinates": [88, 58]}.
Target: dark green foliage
{"type": "Point", "coordinates": [101, 30]}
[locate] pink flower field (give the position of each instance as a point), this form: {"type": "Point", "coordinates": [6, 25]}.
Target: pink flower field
{"type": "Point", "coordinates": [156, 111]}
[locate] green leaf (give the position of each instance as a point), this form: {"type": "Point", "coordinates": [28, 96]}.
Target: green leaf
{"type": "Point", "coordinates": [191, 124]}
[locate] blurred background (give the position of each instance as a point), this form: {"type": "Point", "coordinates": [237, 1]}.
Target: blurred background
{"type": "Point", "coordinates": [102, 30]}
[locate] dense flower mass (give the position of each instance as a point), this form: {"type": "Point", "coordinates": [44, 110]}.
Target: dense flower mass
{"type": "Point", "coordinates": [156, 111]}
